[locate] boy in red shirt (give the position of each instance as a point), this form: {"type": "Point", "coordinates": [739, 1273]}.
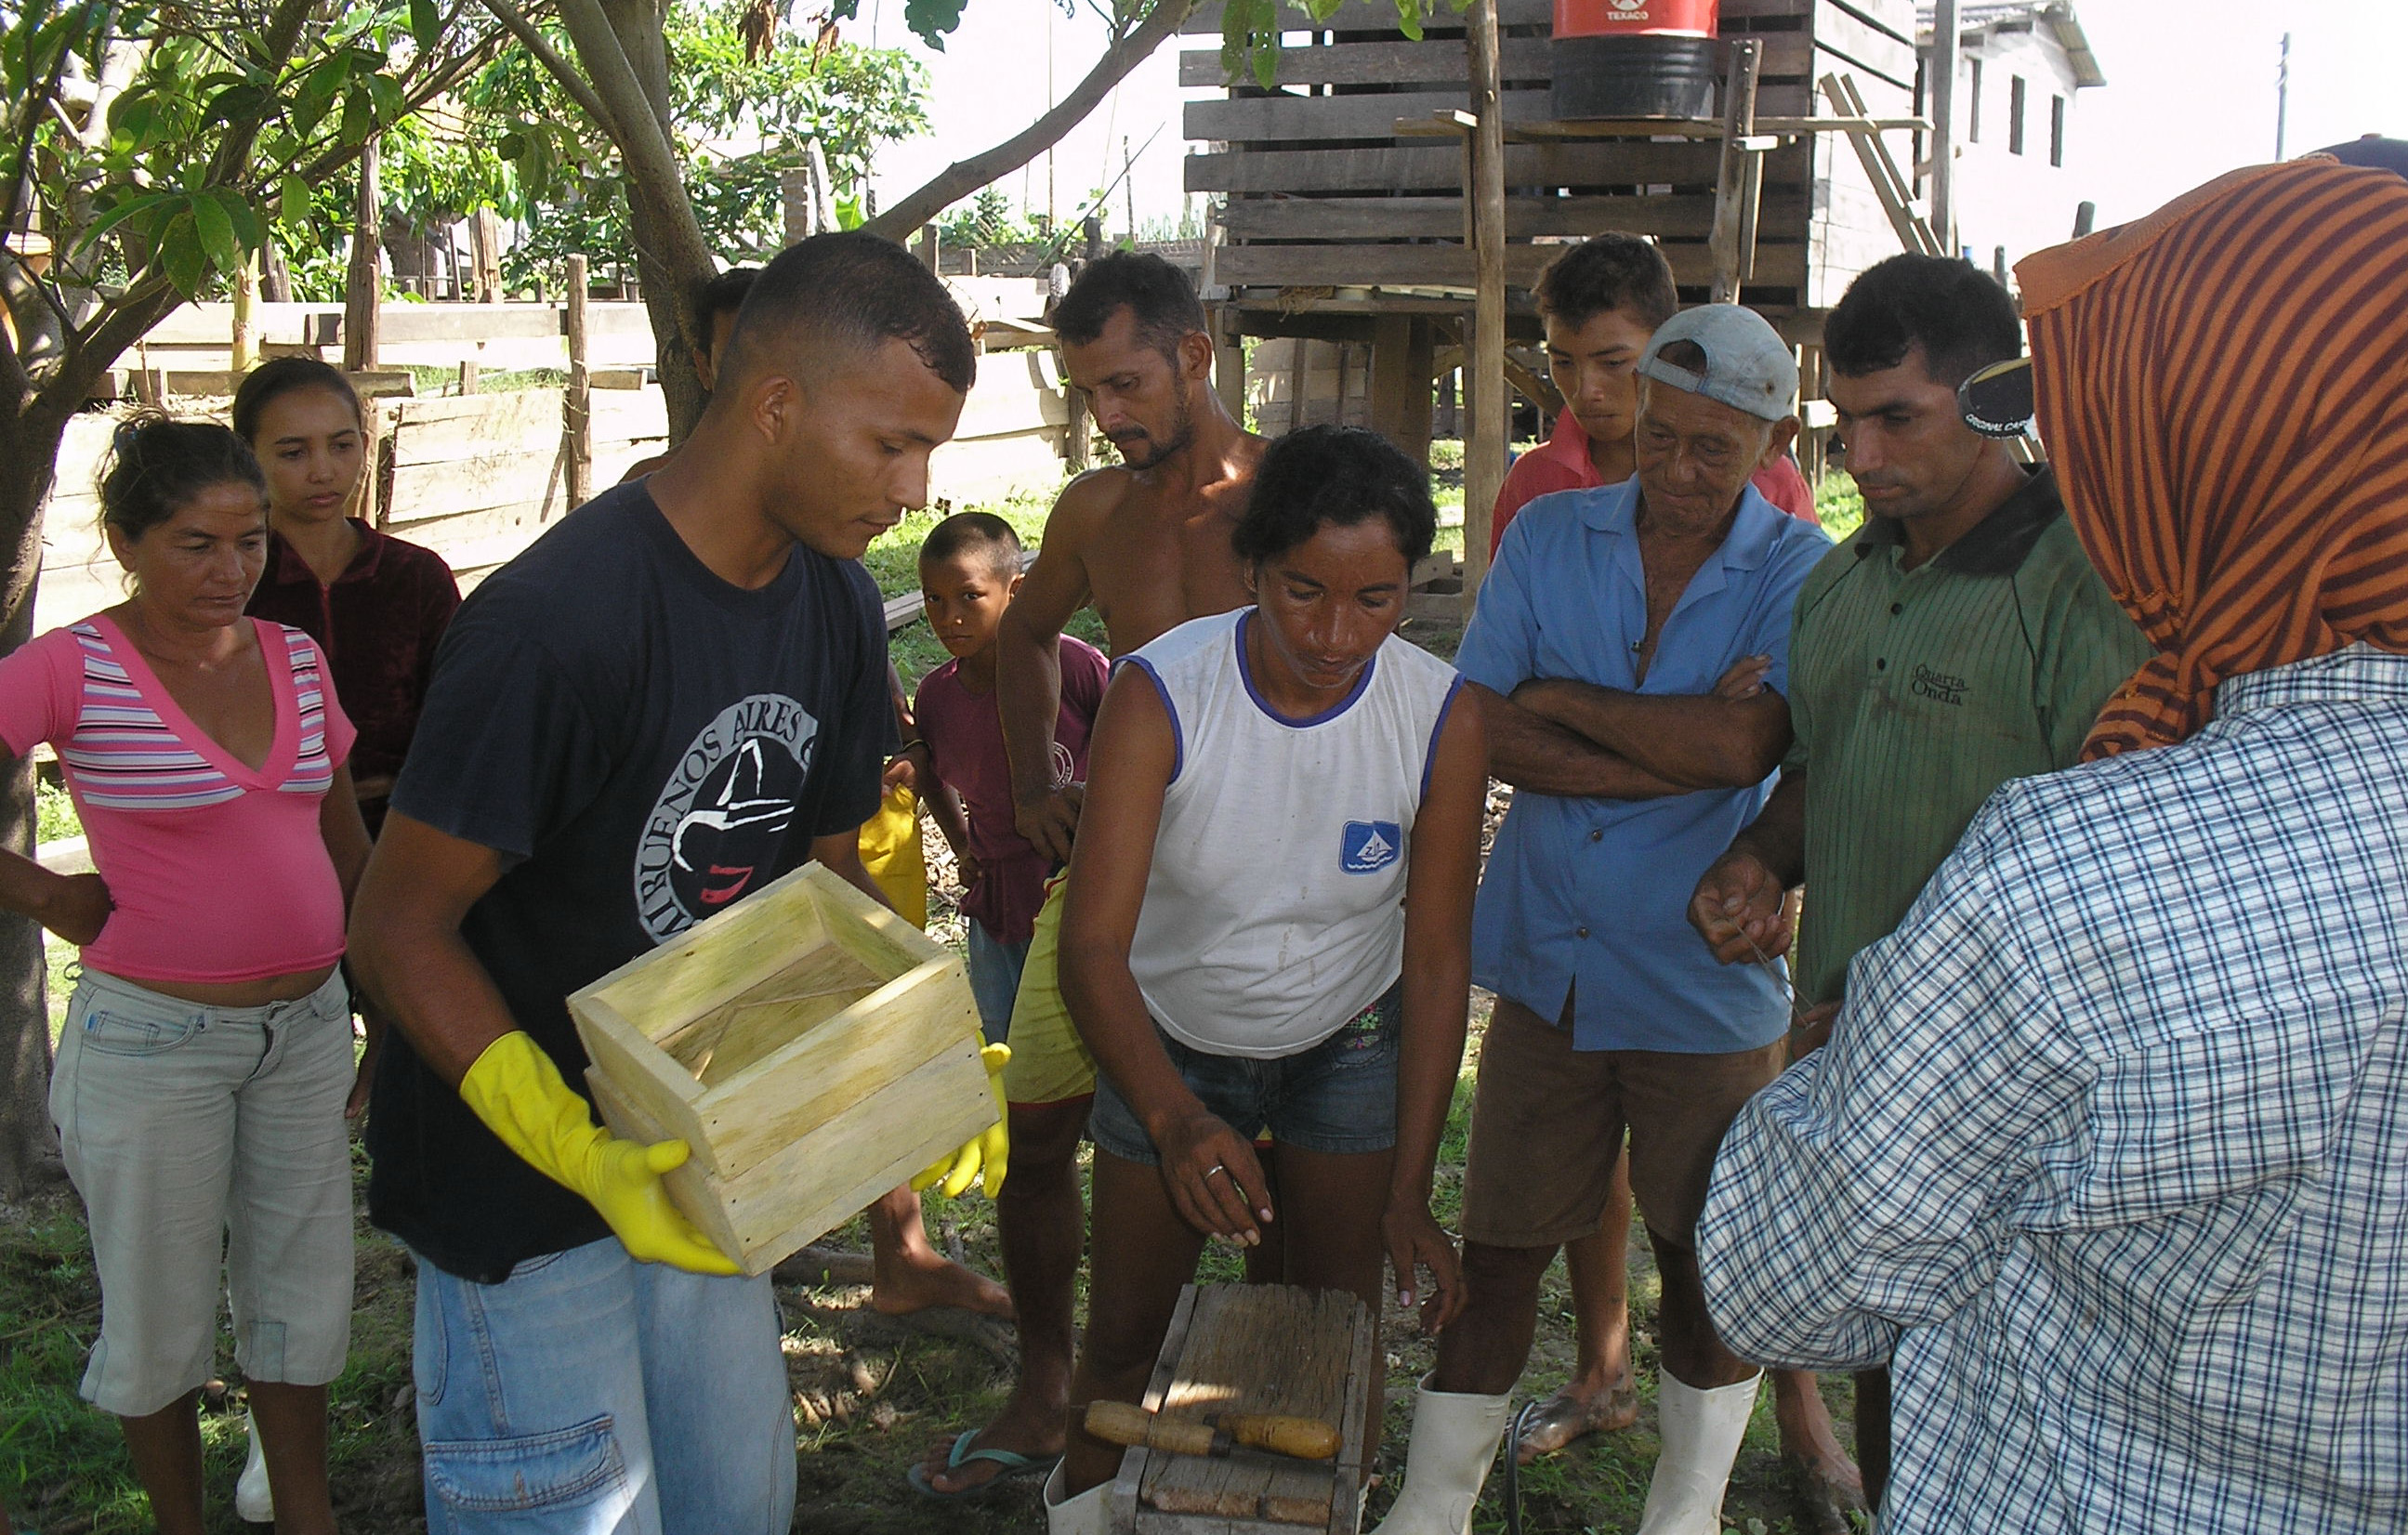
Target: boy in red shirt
{"type": "Point", "coordinates": [1600, 301]}
{"type": "Point", "coordinates": [969, 568]}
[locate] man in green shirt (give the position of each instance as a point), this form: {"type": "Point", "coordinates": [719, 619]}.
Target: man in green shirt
{"type": "Point", "coordinates": [1960, 639]}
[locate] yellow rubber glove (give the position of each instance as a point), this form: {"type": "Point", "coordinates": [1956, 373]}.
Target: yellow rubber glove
{"type": "Point", "coordinates": [519, 1094]}
{"type": "Point", "coordinates": [984, 1158]}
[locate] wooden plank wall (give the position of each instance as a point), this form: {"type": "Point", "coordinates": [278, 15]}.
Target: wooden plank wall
{"type": "Point", "coordinates": [1319, 191]}
{"type": "Point", "coordinates": [477, 478]}
{"type": "Point", "coordinates": [1293, 382]}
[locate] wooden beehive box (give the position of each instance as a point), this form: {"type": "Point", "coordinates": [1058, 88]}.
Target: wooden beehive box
{"type": "Point", "coordinates": [813, 1048]}
{"type": "Point", "coordinates": [1257, 1348]}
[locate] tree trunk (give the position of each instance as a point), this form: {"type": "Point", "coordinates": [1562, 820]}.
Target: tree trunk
{"type": "Point", "coordinates": [29, 1148]}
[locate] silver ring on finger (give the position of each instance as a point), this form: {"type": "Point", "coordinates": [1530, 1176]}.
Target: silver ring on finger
{"type": "Point", "coordinates": [1213, 1169]}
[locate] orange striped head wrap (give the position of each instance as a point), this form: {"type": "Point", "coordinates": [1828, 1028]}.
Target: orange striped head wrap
{"type": "Point", "coordinates": [2223, 387]}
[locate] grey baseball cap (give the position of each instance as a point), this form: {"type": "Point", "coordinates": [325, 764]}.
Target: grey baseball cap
{"type": "Point", "coordinates": [1748, 365]}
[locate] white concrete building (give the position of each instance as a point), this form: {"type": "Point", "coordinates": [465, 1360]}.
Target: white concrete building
{"type": "Point", "coordinates": [2020, 154]}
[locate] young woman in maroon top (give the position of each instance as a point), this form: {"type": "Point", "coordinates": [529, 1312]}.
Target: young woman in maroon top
{"type": "Point", "coordinates": [375, 604]}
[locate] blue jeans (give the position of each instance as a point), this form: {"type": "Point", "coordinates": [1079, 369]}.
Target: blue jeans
{"type": "Point", "coordinates": [994, 978]}
{"type": "Point", "coordinates": [1338, 1096]}
{"type": "Point", "coordinates": [589, 1394]}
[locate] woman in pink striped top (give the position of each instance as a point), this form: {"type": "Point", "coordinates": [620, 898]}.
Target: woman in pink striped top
{"type": "Point", "coordinates": [200, 1083]}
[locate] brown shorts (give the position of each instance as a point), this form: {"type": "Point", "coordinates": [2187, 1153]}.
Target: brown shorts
{"type": "Point", "coordinates": [1547, 1122]}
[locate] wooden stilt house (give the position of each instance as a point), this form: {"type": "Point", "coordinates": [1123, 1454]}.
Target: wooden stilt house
{"type": "Point", "coordinates": [1336, 227]}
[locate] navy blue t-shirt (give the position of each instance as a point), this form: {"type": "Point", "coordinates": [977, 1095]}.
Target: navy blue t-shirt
{"type": "Point", "coordinates": [643, 743]}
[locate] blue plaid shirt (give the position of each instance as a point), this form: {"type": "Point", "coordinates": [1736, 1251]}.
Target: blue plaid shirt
{"type": "Point", "coordinates": [2109, 1152]}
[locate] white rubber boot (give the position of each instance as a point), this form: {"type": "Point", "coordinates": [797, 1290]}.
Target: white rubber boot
{"type": "Point", "coordinates": [1702, 1432]}
{"type": "Point", "coordinates": [252, 1503]}
{"type": "Point", "coordinates": [1455, 1439]}
{"type": "Point", "coordinates": [1080, 1515]}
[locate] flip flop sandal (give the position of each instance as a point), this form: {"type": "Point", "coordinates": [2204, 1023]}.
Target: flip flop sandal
{"type": "Point", "coordinates": [1011, 1467]}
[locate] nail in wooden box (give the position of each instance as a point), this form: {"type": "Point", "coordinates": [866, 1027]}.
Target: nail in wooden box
{"type": "Point", "coordinates": [813, 1047]}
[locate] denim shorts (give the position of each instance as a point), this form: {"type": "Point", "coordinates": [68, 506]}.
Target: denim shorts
{"type": "Point", "coordinates": [1338, 1097]}
{"type": "Point", "coordinates": [207, 1140]}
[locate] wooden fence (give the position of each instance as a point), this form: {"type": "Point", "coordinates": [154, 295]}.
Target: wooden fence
{"type": "Point", "coordinates": [477, 478]}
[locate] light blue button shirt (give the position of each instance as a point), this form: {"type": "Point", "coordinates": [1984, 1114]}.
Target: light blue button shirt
{"type": "Point", "coordinates": [1596, 891]}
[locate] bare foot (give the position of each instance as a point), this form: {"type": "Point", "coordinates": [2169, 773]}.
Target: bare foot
{"type": "Point", "coordinates": [909, 1282]}
{"type": "Point", "coordinates": [1581, 1408]}
{"type": "Point", "coordinates": [1025, 1427]}
{"type": "Point", "coordinates": [1828, 1480]}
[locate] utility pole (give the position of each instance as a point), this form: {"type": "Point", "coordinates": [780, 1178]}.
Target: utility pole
{"type": "Point", "coordinates": [2282, 94]}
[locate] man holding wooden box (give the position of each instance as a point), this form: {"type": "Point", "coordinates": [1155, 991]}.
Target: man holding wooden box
{"type": "Point", "coordinates": [672, 699]}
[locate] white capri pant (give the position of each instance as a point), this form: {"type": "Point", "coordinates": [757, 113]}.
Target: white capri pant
{"type": "Point", "coordinates": [196, 1136]}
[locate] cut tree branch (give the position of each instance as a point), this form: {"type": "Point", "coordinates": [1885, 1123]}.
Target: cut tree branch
{"type": "Point", "coordinates": [559, 69]}
{"type": "Point", "coordinates": [965, 177]}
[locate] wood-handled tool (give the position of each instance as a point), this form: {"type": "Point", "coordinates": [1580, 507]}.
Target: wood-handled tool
{"type": "Point", "coordinates": [1125, 1423]}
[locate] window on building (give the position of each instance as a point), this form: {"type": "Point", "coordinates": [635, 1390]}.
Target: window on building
{"type": "Point", "coordinates": [2015, 114]}
{"type": "Point", "coordinates": [1973, 101]}
{"type": "Point", "coordinates": [2057, 130]}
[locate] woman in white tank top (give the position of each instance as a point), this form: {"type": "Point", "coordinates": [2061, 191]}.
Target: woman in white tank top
{"type": "Point", "coordinates": [1268, 921]}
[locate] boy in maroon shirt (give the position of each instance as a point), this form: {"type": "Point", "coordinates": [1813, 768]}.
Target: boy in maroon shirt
{"type": "Point", "coordinates": [969, 568]}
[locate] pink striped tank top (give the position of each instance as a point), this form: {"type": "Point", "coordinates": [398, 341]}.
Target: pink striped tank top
{"type": "Point", "coordinates": [218, 870]}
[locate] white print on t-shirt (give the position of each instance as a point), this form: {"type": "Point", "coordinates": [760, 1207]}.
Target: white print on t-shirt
{"type": "Point", "coordinates": [722, 816]}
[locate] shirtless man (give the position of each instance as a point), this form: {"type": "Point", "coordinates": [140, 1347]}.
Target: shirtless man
{"type": "Point", "coordinates": [1148, 544]}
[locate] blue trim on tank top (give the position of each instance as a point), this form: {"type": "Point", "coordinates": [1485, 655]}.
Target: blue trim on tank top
{"type": "Point", "coordinates": [1429, 756]}
{"type": "Point", "coordinates": [1178, 735]}
{"type": "Point", "coordinates": [1246, 675]}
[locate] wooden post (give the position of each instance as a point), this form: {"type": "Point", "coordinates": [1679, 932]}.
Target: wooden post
{"type": "Point", "coordinates": [1077, 431]}
{"type": "Point", "coordinates": [1229, 364]}
{"type": "Point", "coordinates": [1401, 382]}
{"type": "Point", "coordinates": [926, 246]}
{"type": "Point", "coordinates": [467, 375]}
{"type": "Point", "coordinates": [580, 422]}
{"type": "Point", "coordinates": [362, 289]}
{"type": "Point", "coordinates": [485, 244]}
{"type": "Point", "coordinates": [1731, 193]}
{"type": "Point", "coordinates": [1483, 447]}
{"type": "Point", "coordinates": [244, 350]}
{"type": "Point", "coordinates": [1300, 379]}
{"type": "Point", "coordinates": [1942, 77]}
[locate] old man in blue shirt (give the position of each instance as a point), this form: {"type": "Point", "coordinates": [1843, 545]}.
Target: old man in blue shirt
{"type": "Point", "coordinates": [1631, 654]}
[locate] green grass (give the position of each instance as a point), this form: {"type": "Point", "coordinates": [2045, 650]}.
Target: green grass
{"type": "Point", "coordinates": [1838, 506]}
{"type": "Point", "coordinates": [55, 814]}
{"type": "Point", "coordinates": [434, 379]}
{"type": "Point", "coordinates": [871, 1392]}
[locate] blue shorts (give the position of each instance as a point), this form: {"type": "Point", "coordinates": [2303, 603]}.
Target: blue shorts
{"type": "Point", "coordinates": [995, 979]}
{"type": "Point", "coordinates": [1338, 1097]}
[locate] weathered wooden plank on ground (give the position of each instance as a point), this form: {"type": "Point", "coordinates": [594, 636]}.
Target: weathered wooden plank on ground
{"type": "Point", "coordinates": [1273, 1349]}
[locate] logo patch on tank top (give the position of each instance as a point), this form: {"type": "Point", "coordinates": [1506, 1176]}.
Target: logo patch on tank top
{"type": "Point", "coordinates": [1367, 847]}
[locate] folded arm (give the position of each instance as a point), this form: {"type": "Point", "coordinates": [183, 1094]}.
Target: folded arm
{"type": "Point", "coordinates": [1694, 740]}
{"type": "Point", "coordinates": [1531, 752]}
